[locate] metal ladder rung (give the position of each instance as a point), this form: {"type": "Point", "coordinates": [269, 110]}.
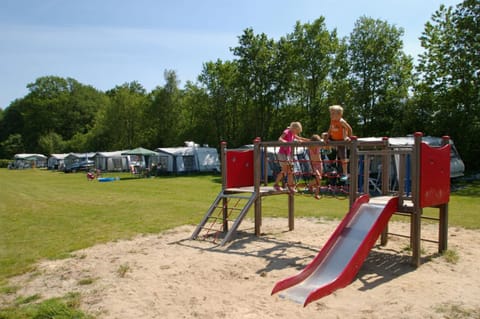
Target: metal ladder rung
{"type": "Point", "coordinates": [220, 214]}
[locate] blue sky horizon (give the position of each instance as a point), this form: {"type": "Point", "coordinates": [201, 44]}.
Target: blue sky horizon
{"type": "Point", "coordinates": [108, 43]}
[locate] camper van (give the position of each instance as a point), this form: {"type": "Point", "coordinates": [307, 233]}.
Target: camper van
{"type": "Point", "coordinates": [457, 167]}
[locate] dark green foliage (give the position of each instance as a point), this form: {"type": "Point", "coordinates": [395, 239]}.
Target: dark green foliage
{"type": "Point", "coordinates": [269, 84]}
{"type": "Point", "coordinates": [448, 92]}
{"type": "Point", "coordinates": [380, 76]}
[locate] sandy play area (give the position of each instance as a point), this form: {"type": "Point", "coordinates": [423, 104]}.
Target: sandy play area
{"type": "Point", "coordinates": [169, 276]}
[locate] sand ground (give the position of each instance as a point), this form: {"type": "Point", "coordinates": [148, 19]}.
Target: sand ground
{"type": "Point", "coordinates": [170, 276]}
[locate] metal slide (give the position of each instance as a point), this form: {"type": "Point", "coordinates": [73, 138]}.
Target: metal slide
{"type": "Point", "coordinates": [337, 263]}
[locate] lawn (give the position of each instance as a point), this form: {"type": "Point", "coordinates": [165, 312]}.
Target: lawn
{"type": "Point", "coordinates": [45, 214]}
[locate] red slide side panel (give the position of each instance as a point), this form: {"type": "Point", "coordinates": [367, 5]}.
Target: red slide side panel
{"type": "Point", "coordinates": [239, 168]}
{"type": "Point", "coordinates": [434, 175]}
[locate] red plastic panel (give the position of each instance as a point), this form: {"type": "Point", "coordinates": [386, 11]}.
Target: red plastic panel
{"type": "Point", "coordinates": [434, 175]}
{"type": "Point", "coordinates": [239, 168]}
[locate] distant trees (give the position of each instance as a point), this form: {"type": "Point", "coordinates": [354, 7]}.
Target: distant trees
{"type": "Point", "coordinates": [447, 95]}
{"type": "Point", "coordinates": [220, 108]}
{"type": "Point", "coordinates": [313, 56]}
{"type": "Point", "coordinates": [55, 110]}
{"type": "Point", "coordinates": [163, 111]}
{"type": "Point", "coordinates": [380, 75]}
{"type": "Point", "coordinates": [270, 83]}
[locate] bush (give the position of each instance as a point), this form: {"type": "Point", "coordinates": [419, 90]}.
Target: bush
{"type": "Point", "coordinates": [4, 163]}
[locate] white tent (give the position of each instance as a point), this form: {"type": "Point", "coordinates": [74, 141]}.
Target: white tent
{"type": "Point", "coordinates": [24, 160]}
{"type": "Point", "coordinates": [57, 161]}
{"type": "Point", "coordinates": [111, 161]}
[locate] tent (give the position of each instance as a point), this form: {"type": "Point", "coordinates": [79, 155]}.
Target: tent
{"type": "Point", "coordinates": [111, 161]}
{"type": "Point", "coordinates": [140, 151]}
{"type": "Point", "coordinates": [56, 161]}
{"type": "Point", "coordinates": [187, 159]}
{"type": "Point", "coordinates": [24, 160]}
{"type": "Point", "coordinates": [78, 161]}
{"type": "Point", "coordinates": [140, 158]}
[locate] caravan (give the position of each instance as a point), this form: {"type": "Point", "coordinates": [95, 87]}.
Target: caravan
{"type": "Point", "coordinates": [457, 167]}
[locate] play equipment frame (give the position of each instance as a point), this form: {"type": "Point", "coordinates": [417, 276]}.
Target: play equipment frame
{"type": "Point", "coordinates": [422, 175]}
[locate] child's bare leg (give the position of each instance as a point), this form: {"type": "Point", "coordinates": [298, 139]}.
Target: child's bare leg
{"type": "Point", "coordinates": [290, 181]}
{"type": "Point", "coordinates": [281, 175]}
{"type": "Point", "coordinates": [345, 168]}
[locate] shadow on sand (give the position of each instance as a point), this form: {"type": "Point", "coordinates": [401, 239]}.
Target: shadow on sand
{"type": "Point", "coordinates": [382, 264]}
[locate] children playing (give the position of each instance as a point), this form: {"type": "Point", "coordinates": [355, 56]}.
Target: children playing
{"type": "Point", "coordinates": [290, 134]}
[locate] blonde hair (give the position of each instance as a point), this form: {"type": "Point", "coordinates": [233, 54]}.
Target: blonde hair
{"type": "Point", "coordinates": [336, 109]}
{"type": "Point", "coordinates": [315, 137]}
{"type": "Point", "coordinates": [296, 125]}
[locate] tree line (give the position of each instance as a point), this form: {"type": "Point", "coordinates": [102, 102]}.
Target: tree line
{"type": "Point", "coordinates": [270, 83]}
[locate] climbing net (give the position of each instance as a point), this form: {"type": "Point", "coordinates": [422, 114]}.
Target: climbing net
{"type": "Point", "coordinates": [318, 178]}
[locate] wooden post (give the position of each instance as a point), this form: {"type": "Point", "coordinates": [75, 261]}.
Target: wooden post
{"type": "Point", "coordinates": [353, 190]}
{"type": "Point", "coordinates": [386, 160]}
{"type": "Point", "coordinates": [443, 229]}
{"type": "Point", "coordinates": [366, 174]}
{"type": "Point", "coordinates": [385, 187]}
{"type": "Point", "coordinates": [443, 217]}
{"type": "Point", "coordinates": [402, 161]}
{"type": "Point", "coordinates": [417, 211]}
{"type": "Point", "coordinates": [291, 211]}
{"type": "Point", "coordinates": [223, 159]}
{"type": "Point", "coordinates": [264, 151]}
{"type": "Point", "coordinates": [257, 171]}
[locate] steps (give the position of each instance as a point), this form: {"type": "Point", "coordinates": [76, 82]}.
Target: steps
{"type": "Point", "coordinates": [224, 216]}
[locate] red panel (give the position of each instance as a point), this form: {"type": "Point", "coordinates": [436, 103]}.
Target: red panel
{"type": "Point", "coordinates": [434, 175]}
{"type": "Point", "coordinates": [239, 168]}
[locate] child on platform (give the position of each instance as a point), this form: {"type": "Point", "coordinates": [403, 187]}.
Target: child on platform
{"type": "Point", "coordinates": [339, 130]}
{"type": "Point", "coordinates": [285, 156]}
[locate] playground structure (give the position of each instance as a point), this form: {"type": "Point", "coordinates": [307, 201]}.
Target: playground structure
{"type": "Point", "coordinates": [406, 178]}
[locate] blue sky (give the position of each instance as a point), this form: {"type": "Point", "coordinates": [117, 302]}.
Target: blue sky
{"type": "Point", "coordinates": [105, 43]}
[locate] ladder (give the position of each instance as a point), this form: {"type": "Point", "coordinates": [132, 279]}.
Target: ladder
{"type": "Point", "coordinates": [224, 216]}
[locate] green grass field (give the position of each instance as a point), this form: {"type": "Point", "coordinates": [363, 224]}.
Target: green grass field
{"type": "Point", "coordinates": [45, 214]}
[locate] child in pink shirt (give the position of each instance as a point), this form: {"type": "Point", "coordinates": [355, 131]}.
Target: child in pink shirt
{"type": "Point", "coordinates": [290, 134]}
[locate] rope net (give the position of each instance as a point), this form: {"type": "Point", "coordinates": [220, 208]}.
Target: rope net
{"type": "Point", "coordinates": [312, 172]}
